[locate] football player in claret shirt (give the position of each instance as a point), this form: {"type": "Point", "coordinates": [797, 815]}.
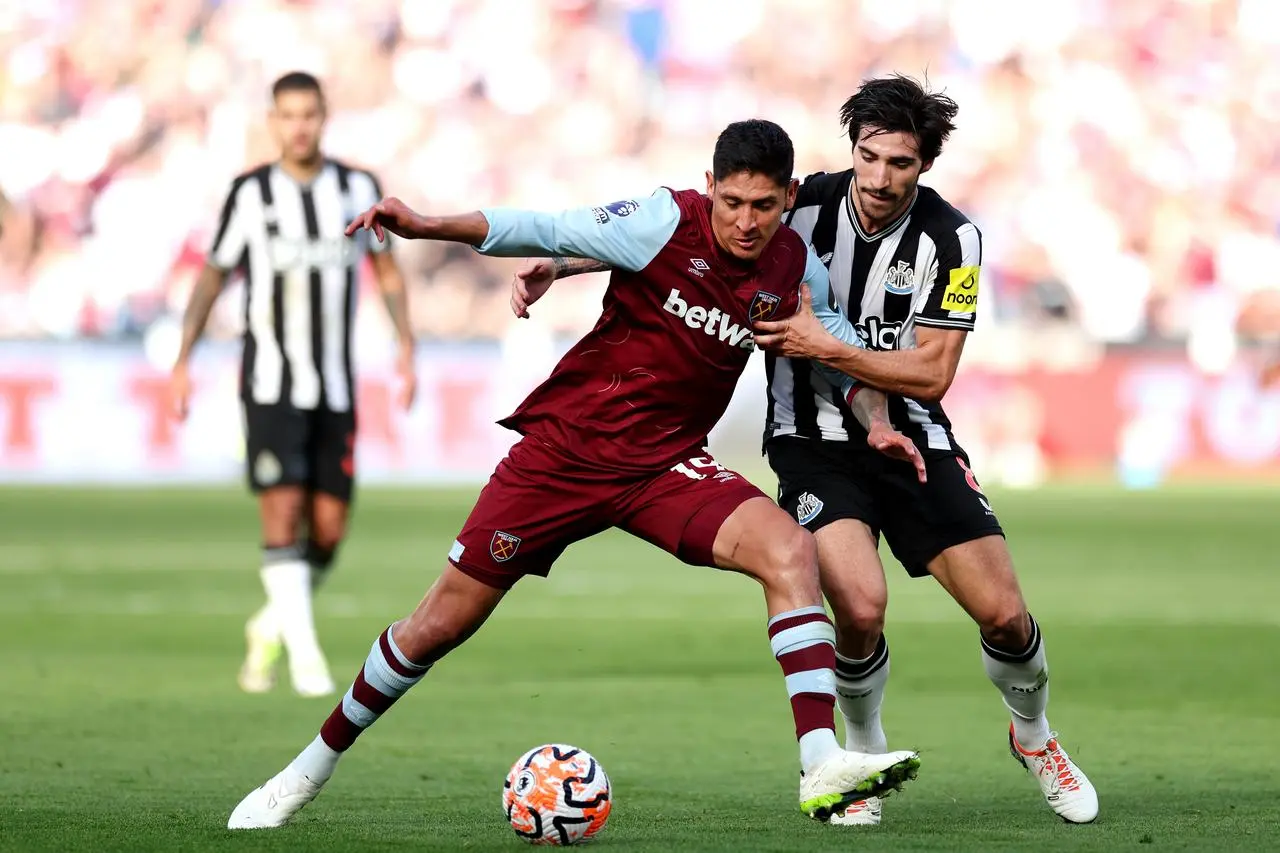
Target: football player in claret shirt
{"type": "Point", "coordinates": [904, 266]}
{"type": "Point", "coordinates": [616, 436]}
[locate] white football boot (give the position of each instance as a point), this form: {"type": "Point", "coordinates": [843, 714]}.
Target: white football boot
{"type": "Point", "coordinates": [1065, 787]}
{"type": "Point", "coordinates": [275, 802]}
{"type": "Point", "coordinates": [859, 813]}
{"type": "Point", "coordinates": [848, 776]}
{"type": "Point", "coordinates": [263, 652]}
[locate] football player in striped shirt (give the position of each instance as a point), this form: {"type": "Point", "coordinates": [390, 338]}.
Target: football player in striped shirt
{"type": "Point", "coordinates": [904, 266]}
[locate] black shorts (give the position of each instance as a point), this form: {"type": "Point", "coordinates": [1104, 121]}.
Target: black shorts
{"type": "Point", "coordinates": [823, 481]}
{"type": "Point", "coordinates": [312, 448]}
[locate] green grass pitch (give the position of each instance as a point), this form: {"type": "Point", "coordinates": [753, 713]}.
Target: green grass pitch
{"type": "Point", "coordinates": [122, 728]}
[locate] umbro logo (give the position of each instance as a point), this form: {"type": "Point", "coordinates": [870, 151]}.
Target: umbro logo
{"type": "Point", "coordinates": [698, 267]}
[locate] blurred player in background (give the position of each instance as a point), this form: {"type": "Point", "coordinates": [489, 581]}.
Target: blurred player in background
{"type": "Point", "coordinates": [282, 226]}
{"type": "Point", "coordinates": [615, 438]}
{"type": "Point", "coordinates": [904, 268]}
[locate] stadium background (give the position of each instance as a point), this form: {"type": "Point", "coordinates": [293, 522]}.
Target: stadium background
{"type": "Point", "coordinates": [1120, 159]}
{"type": "Point", "coordinates": [1128, 197]}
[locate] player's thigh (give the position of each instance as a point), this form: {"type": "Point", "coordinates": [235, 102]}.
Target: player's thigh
{"type": "Point", "coordinates": [535, 505]}
{"type": "Point", "coordinates": [331, 454]}
{"type": "Point", "coordinates": [979, 575]}
{"type": "Point", "coordinates": [922, 520]}
{"type": "Point", "coordinates": [707, 515]}
{"type": "Point", "coordinates": [852, 576]}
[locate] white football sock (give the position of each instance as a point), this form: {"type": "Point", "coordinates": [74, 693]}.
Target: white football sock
{"type": "Point", "coordinates": [286, 577]}
{"type": "Point", "coordinates": [816, 746]}
{"type": "Point", "coordinates": [317, 761]}
{"type": "Point", "coordinates": [1023, 680]}
{"type": "Point", "coordinates": [860, 693]}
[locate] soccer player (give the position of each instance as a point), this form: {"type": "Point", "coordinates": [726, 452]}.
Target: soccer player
{"type": "Point", "coordinates": [615, 438]}
{"type": "Point", "coordinates": [904, 267]}
{"type": "Point", "coordinates": [283, 227]}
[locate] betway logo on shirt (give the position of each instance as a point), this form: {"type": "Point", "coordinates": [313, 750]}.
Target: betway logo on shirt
{"type": "Point", "coordinates": [712, 321]}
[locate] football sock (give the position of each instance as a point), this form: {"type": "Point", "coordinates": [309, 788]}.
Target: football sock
{"type": "Point", "coordinates": [320, 559]}
{"type": "Point", "coordinates": [287, 580]}
{"type": "Point", "coordinates": [386, 676]}
{"type": "Point", "coordinates": [804, 642]}
{"type": "Point", "coordinates": [1022, 677]}
{"type": "Point", "coordinates": [859, 693]}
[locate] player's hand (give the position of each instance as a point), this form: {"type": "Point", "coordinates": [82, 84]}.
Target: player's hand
{"type": "Point", "coordinates": [390, 214]}
{"type": "Point", "coordinates": [801, 335]}
{"type": "Point", "coordinates": [895, 445]}
{"type": "Point", "coordinates": [180, 391]}
{"type": "Point", "coordinates": [529, 284]}
{"type": "Point", "coordinates": [407, 371]}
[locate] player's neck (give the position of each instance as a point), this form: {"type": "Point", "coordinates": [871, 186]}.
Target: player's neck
{"type": "Point", "coordinates": [303, 171]}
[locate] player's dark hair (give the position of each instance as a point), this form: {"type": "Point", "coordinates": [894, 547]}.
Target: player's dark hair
{"type": "Point", "coordinates": [296, 81]}
{"type": "Point", "coordinates": [899, 104]}
{"type": "Point", "coordinates": [754, 145]}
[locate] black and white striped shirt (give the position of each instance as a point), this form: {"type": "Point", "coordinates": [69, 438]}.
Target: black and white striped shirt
{"type": "Point", "coordinates": [300, 280]}
{"type": "Point", "coordinates": [920, 271]}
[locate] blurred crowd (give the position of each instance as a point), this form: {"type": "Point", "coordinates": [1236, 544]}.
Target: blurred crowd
{"type": "Point", "coordinates": [1118, 155]}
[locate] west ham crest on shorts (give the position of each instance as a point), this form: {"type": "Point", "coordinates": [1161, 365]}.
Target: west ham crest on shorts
{"type": "Point", "coordinates": [502, 546]}
{"type": "Point", "coordinates": [763, 306]}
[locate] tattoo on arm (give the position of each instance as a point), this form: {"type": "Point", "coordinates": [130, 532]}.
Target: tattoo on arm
{"type": "Point", "coordinates": [398, 310]}
{"type": "Point", "coordinates": [870, 406]}
{"type": "Point", "coordinates": [203, 295]}
{"type": "Point", "coordinates": [566, 267]}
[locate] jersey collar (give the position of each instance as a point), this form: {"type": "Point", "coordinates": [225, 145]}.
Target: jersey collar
{"type": "Point", "coordinates": [852, 213]}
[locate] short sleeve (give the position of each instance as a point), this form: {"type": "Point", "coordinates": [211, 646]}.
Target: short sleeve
{"type": "Point", "coordinates": [229, 241]}
{"type": "Point", "coordinates": [952, 302]}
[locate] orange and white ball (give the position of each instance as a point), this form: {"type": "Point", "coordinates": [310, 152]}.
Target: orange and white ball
{"type": "Point", "coordinates": [557, 794]}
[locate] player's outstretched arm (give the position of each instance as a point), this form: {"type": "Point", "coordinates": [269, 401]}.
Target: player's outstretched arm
{"type": "Point", "coordinates": [627, 234]}
{"type": "Point", "coordinates": [391, 215]}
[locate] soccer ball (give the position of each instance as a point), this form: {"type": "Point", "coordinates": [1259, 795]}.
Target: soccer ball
{"type": "Point", "coordinates": [557, 794]}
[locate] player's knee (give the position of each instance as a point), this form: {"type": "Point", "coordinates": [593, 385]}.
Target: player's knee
{"type": "Point", "coordinates": [432, 632]}
{"type": "Point", "coordinates": [791, 558]}
{"type": "Point", "coordinates": [425, 637]}
{"type": "Point", "coordinates": [325, 538]}
{"type": "Point", "coordinates": [1006, 625]}
{"type": "Point", "coordinates": [859, 617]}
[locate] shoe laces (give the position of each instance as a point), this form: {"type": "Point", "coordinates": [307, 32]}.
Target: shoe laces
{"type": "Point", "coordinates": [1059, 765]}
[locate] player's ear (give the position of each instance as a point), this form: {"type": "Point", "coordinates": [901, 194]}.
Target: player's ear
{"type": "Point", "coordinates": [711, 182]}
{"type": "Point", "coordinates": [928, 164]}
{"type": "Point", "coordinates": [792, 188]}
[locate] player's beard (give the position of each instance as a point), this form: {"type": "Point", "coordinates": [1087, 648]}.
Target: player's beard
{"type": "Point", "coordinates": [882, 208]}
